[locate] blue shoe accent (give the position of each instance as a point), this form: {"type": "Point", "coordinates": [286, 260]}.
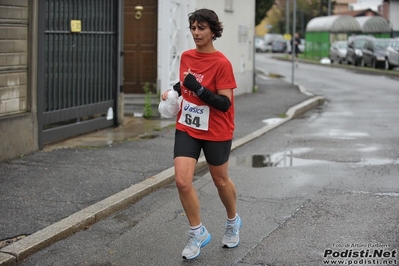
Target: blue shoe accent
{"type": "Point", "coordinates": [231, 237]}
{"type": "Point", "coordinates": [195, 243]}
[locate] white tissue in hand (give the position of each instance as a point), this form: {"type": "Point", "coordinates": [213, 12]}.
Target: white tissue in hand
{"type": "Point", "coordinates": [170, 107]}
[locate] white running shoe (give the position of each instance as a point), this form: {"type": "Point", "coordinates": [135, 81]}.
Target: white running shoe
{"type": "Point", "coordinates": [195, 243]}
{"type": "Point", "coordinates": [231, 237]}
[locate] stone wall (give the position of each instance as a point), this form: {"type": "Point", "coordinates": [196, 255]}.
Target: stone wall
{"type": "Point", "coordinates": [18, 93]}
{"type": "Point", "coordinates": [13, 56]}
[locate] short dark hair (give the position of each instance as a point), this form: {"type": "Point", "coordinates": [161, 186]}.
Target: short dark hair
{"type": "Point", "coordinates": [208, 16]}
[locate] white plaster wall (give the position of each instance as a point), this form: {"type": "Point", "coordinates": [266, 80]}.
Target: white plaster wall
{"type": "Point", "coordinates": [394, 14]}
{"type": "Point", "coordinates": [241, 55]}
{"type": "Point", "coordinates": [174, 37]}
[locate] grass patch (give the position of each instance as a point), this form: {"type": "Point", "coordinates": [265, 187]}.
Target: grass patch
{"type": "Point", "coordinates": [87, 147]}
{"type": "Point", "coordinates": [274, 75]}
{"type": "Point", "coordinates": [282, 115]}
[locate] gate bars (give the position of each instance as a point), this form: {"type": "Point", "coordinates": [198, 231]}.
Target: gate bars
{"type": "Point", "coordinates": [77, 71]}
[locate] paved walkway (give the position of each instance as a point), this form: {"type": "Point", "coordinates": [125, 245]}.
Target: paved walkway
{"type": "Point", "coordinates": [49, 195]}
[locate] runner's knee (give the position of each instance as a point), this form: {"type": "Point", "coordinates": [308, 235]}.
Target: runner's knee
{"type": "Point", "coordinates": [221, 181]}
{"type": "Point", "coordinates": [184, 184]}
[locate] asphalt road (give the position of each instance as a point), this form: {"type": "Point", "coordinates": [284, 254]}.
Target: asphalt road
{"type": "Point", "coordinates": [311, 191]}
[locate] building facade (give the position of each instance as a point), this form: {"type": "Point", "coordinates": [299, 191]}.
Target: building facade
{"type": "Point", "coordinates": [18, 120]}
{"type": "Point", "coordinates": [66, 67]}
{"type": "Point", "coordinates": [389, 9]}
{"type": "Point", "coordinates": [342, 6]}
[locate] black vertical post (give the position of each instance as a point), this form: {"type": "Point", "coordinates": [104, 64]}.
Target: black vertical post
{"type": "Point", "coordinates": [119, 60]}
{"type": "Point", "coordinates": [293, 55]}
{"type": "Point", "coordinates": [41, 66]}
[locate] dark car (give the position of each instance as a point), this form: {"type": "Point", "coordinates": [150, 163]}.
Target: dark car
{"type": "Point", "coordinates": [338, 51]}
{"type": "Point", "coordinates": [270, 37]}
{"type": "Point", "coordinates": [374, 52]}
{"type": "Point", "coordinates": [354, 52]}
{"type": "Point", "coordinates": [392, 59]}
{"type": "Point", "coordinates": [279, 46]}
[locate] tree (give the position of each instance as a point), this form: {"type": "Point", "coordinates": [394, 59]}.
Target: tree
{"type": "Point", "coordinates": [276, 18]}
{"type": "Point", "coordinates": [306, 10]}
{"type": "Point", "coordinates": [323, 7]}
{"type": "Point", "coordinates": [261, 8]}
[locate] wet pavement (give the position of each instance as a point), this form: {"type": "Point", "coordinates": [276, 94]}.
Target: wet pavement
{"type": "Point", "coordinates": [49, 195]}
{"type": "Point", "coordinates": [132, 127]}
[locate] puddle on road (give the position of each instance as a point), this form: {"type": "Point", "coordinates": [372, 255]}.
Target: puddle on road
{"type": "Point", "coordinates": [267, 160]}
{"type": "Point", "coordinates": [287, 159]}
{"type": "Point", "coordinates": [272, 121]}
{"type": "Point", "coordinates": [376, 161]}
{"type": "Point", "coordinates": [341, 134]}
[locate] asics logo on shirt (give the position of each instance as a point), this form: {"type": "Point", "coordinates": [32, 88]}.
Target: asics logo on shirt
{"type": "Point", "coordinates": [193, 109]}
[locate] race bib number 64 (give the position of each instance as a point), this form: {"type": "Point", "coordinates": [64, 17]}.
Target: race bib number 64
{"type": "Point", "coordinates": [195, 116]}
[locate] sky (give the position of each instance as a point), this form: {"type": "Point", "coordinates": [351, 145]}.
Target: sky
{"type": "Point", "coordinates": [364, 4]}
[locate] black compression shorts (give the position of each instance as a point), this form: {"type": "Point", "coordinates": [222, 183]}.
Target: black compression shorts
{"type": "Point", "coordinates": [216, 152]}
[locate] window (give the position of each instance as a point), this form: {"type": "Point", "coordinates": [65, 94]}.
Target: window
{"type": "Point", "coordinates": [359, 44]}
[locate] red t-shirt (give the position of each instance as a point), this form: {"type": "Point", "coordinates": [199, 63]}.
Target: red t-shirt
{"type": "Point", "coordinates": [200, 120]}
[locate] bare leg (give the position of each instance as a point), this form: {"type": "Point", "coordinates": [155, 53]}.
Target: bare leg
{"type": "Point", "coordinates": [184, 173]}
{"type": "Point", "coordinates": [226, 188]}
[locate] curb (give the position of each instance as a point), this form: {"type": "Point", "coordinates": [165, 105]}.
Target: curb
{"type": "Point", "coordinates": [362, 70]}
{"type": "Point", "coordinates": [82, 219]}
{"type": "Point", "coordinates": [292, 113]}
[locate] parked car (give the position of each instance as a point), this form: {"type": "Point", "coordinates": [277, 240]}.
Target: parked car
{"type": "Point", "coordinates": [260, 45]}
{"type": "Point", "coordinates": [354, 53]}
{"type": "Point", "coordinates": [270, 37]}
{"type": "Point", "coordinates": [279, 46]}
{"type": "Point", "coordinates": [392, 57]}
{"type": "Point", "coordinates": [338, 51]}
{"type": "Point", "coordinates": [374, 52]}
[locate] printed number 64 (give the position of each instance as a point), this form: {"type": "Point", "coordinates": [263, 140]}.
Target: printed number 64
{"type": "Point", "coordinates": [192, 121]}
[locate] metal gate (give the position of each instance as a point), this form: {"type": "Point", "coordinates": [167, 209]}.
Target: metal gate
{"type": "Point", "coordinates": [78, 67]}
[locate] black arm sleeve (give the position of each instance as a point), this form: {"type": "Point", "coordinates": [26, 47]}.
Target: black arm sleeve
{"type": "Point", "coordinates": [217, 101]}
{"type": "Point", "coordinates": [177, 88]}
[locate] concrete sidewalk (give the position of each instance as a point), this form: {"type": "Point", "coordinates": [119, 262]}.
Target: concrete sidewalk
{"type": "Point", "coordinates": [49, 195]}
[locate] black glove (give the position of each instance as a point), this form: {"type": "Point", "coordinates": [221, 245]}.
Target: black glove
{"type": "Point", "coordinates": [191, 83]}
{"type": "Point", "coordinates": [177, 88]}
{"type": "Point", "coordinates": [220, 102]}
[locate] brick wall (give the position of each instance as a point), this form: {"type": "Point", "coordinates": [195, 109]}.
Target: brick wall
{"type": "Point", "coordinates": [13, 56]}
